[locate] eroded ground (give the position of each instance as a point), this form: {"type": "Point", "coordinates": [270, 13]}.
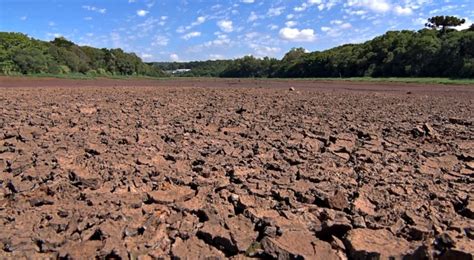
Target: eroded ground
{"type": "Point", "coordinates": [228, 168]}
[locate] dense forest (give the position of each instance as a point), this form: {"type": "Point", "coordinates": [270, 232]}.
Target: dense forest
{"type": "Point", "coordinates": [436, 51]}
{"type": "Point", "coordinates": [20, 54]}
{"type": "Point", "coordinates": [426, 53]}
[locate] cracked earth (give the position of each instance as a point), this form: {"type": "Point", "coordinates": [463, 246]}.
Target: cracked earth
{"type": "Point", "coordinates": [199, 169]}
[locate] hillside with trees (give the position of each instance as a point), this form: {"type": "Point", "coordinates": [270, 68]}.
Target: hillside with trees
{"type": "Point", "coordinates": [436, 51]}
{"type": "Point", "coordinates": [20, 54]}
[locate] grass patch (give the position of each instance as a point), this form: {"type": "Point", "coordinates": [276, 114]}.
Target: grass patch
{"type": "Point", "coordinates": [80, 76]}
{"type": "Point", "coordinates": [444, 81]}
{"type": "Point", "coordinates": [439, 81]}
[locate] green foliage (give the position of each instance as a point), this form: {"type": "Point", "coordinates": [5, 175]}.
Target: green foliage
{"type": "Point", "coordinates": [21, 54]}
{"type": "Point", "coordinates": [424, 53]}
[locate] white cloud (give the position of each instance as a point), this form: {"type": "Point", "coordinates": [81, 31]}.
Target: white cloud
{"type": "Point", "coordinates": [325, 29]}
{"type": "Point", "coordinates": [379, 6]}
{"type": "Point", "coordinates": [225, 26]}
{"type": "Point", "coordinates": [296, 35]}
{"type": "Point", "coordinates": [174, 57]}
{"type": "Point", "coordinates": [326, 4]}
{"type": "Point", "coordinates": [199, 20]}
{"type": "Point", "coordinates": [464, 26]}
{"type": "Point", "coordinates": [142, 13]}
{"type": "Point", "coordinates": [146, 56]}
{"type": "Point", "coordinates": [337, 29]}
{"type": "Point", "coordinates": [216, 57]}
{"type": "Point", "coordinates": [384, 6]}
{"type": "Point", "coordinates": [253, 17]}
{"type": "Point", "coordinates": [403, 10]}
{"type": "Point", "coordinates": [301, 8]}
{"type": "Point", "coordinates": [160, 40]}
{"type": "Point", "coordinates": [247, 1]}
{"type": "Point", "coordinates": [191, 35]}
{"type": "Point", "coordinates": [116, 40]}
{"type": "Point", "coordinates": [346, 26]}
{"type": "Point", "coordinates": [277, 11]}
{"type": "Point", "coordinates": [273, 27]}
{"type": "Point", "coordinates": [23, 18]}
{"type": "Point", "coordinates": [131, 1]}
{"type": "Point", "coordinates": [51, 23]}
{"type": "Point", "coordinates": [94, 9]}
{"type": "Point", "coordinates": [54, 35]}
{"type": "Point", "coordinates": [148, 25]}
{"type": "Point", "coordinates": [291, 24]}
{"type": "Point", "coordinates": [87, 18]}
{"type": "Point", "coordinates": [220, 41]}
{"type": "Point", "coordinates": [261, 50]}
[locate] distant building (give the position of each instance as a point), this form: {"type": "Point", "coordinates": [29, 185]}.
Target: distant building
{"type": "Point", "coordinates": [178, 71]}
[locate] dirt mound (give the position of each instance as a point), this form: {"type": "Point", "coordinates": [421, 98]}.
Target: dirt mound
{"type": "Point", "coordinates": [324, 171]}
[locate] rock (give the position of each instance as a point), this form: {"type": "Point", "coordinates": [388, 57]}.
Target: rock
{"type": "Point", "coordinates": [417, 132]}
{"type": "Point", "coordinates": [338, 201]}
{"type": "Point", "coordinates": [359, 222]}
{"type": "Point", "coordinates": [364, 206]}
{"type": "Point", "coordinates": [218, 236]}
{"type": "Point", "coordinates": [444, 241]}
{"type": "Point", "coordinates": [292, 89]}
{"type": "Point", "coordinates": [242, 232]}
{"type": "Point", "coordinates": [87, 110]}
{"type": "Point", "coordinates": [172, 194]}
{"type": "Point", "coordinates": [240, 110]}
{"type": "Point", "coordinates": [234, 197]}
{"type": "Point", "coordinates": [83, 179]}
{"type": "Point", "coordinates": [468, 210]}
{"type": "Point", "coordinates": [454, 247]}
{"type": "Point", "coordinates": [459, 121]}
{"type": "Point", "coordinates": [95, 149]}
{"type": "Point", "coordinates": [376, 244]}
{"type": "Point", "coordinates": [38, 202]}
{"type": "Point", "coordinates": [429, 131]}
{"type": "Point", "coordinates": [335, 224]}
{"type": "Point", "coordinates": [194, 248]}
{"type": "Point", "coordinates": [298, 245]}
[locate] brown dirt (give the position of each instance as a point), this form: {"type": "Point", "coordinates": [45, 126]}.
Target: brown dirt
{"type": "Point", "coordinates": [232, 168]}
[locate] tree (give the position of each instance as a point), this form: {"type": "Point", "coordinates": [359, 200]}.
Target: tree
{"type": "Point", "coordinates": [444, 22]}
{"type": "Point", "coordinates": [294, 54]}
{"type": "Point", "coordinates": [471, 28]}
{"type": "Point", "coordinates": [62, 42]}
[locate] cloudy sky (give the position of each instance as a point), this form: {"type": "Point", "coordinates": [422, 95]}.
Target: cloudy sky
{"type": "Point", "coordinates": [183, 30]}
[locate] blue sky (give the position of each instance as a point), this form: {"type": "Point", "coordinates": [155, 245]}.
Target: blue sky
{"type": "Point", "coordinates": [183, 30]}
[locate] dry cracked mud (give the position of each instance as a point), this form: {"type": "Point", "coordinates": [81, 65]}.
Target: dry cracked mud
{"type": "Point", "coordinates": [216, 169]}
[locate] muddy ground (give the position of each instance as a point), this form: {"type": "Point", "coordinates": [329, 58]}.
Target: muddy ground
{"type": "Point", "coordinates": [191, 169]}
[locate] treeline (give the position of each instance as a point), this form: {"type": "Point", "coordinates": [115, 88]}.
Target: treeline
{"type": "Point", "coordinates": [20, 54]}
{"type": "Point", "coordinates": [210, 68]}
{"type": "Point", "coordinates": [435, 52]}
{"type": "Point", "coordinates": [427, 53]}
{"type": "Point", "coordinates": [439, 51]}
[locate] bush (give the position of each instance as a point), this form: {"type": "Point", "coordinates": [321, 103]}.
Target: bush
{"type": "Point", "coordinates": [92, 73]}
{"type": "Point", "coordinates": [63, 69]}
